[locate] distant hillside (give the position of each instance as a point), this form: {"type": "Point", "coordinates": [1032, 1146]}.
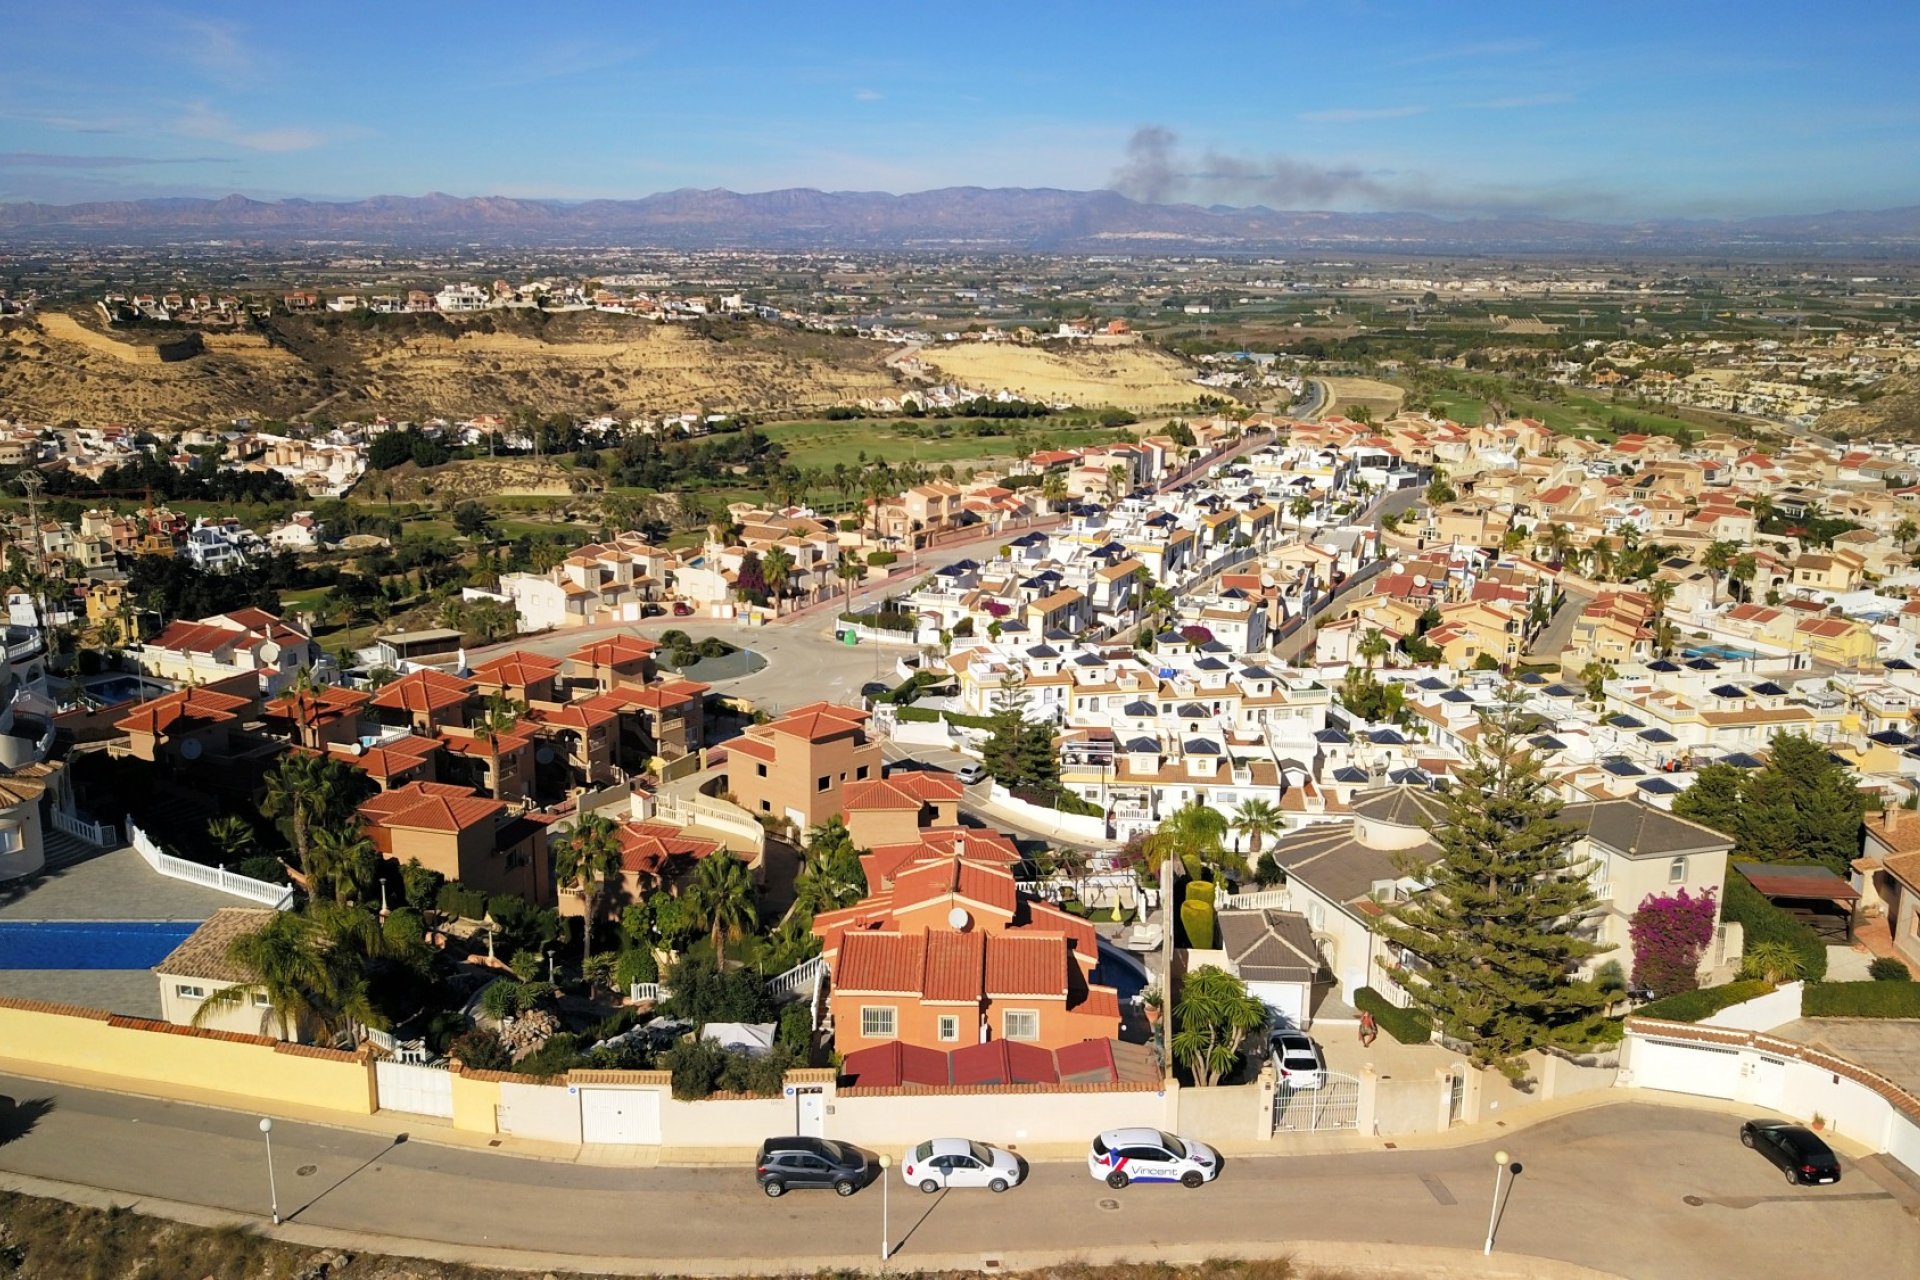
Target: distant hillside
{"type": "Point", "coordinates": [66, 367]}
{"type": "Point", "coordinates": [1010, 218]}
{"type": "Point", "coordinates": [1893, 415]}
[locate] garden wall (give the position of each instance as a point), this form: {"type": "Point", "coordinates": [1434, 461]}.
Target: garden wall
{"type": "Point", "coordinates": [1011, 1115]}
{"type": "Point", "coordinates": [1076, 825]}
{"type": "Point", "coordinates": [167, 1061]}
{"type": "Point", "coordinates": [1762, 1013]}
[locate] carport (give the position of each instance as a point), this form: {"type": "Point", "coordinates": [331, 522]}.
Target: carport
{"type": "Point", "coordinates": [1813, 894]}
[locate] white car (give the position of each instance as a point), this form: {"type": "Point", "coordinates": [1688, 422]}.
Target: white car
{"type": "Point", "coordinates": [1297, 1060]}
{"type": "Point", "coordinates": [1120, 1156]}
{"type": "Point", "coordinates": [939, 1163]}
{"type": "Point", "coordinates": [971, 772]}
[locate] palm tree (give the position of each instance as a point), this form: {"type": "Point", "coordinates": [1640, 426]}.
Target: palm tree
{"type": "Point", "coordinates": [1905, 532]}
{"type": "Point", "coordinates": [345, 861]}
{"type": "Point", "coordinates": [1257, 819]}
{"type": "Point", "coordinates": [1053, 488]}
{"type": "Point", "coordinates": [284, 957]}
{"type": "Point", "coordinates": [1300, 508]}
{"type": "Point", "coordinates": [303, 790]}
{"type": "Point", "coordinates": [722, 898]}
{"type": "Point", "coordinates": [1742, 571]}
{"type": "Point", "coordinates": [586, 861]}
{"type": "Point", "coordinates": [1763, 510]}
{"type": "Point", "coordinates": [499, 716]}
{"type": "Point", "coordinates": [1716, 559]}
{"type": "Point", "coordinates": [849, 571]}
{"type": "Point", "coordinates": [1373, 646]}
{"type": "Point", "coordinates": [777, 567]}
{"type": "Point", "coordinates": [1559, 542]}
{"type": "Point", "coordinates": [1116, 480]}
{"type": "Point", "coordinates": [1191, 831]}
{"type": "Point", "coordinates": [1213, 1017]}
{"type": "Point", "coordinates": [1660, 591]}
{"type": "Point", "coordinates": [231, 836]}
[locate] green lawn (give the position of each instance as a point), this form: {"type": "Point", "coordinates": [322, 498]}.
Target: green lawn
{"type": "Point", "coordinates": [822, 444]}
{"type": "Point", "coordinates": [1574, 413]}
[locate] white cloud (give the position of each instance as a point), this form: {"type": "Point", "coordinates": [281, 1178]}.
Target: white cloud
{"type": "Point", "coordinates": [202, 121]}
{"type": "Point", "coordinates": [1528, 100]}
{"type": "Point", "coordinates": [867, 95]}
{"type": "Point", "coordinates": [1351, 115]}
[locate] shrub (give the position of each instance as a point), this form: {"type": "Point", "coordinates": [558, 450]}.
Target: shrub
{"type": "Point", "coordinates": [1861, 1000]}
{"type": "Point", "coordinates": [262, 867]}
{"type": "Point", "coordinates": [1408, 1026]}
{"type": "Point", "coordinates": [504, 997]}
{"type": "Point", "coordinates": [796, 1027]}
{"type": "Point", "coordinates": [456, 899]}
{"type": "Point", "coordinates": [1268, 870]}
{"type": "Point", "coordinates": [1692, 1006]}
{"type": "Point", "coordinates": [1772, 961]}
{"type": "Point", "coordinates": [480, 1049]}
{"type": "Point", "coordinates": [878, 558]}
{"type": "Point", "coordinates": [557, 1056]}
{"type": "Point", "coordinates": [1887, 969]}
{"type": "Point", "coordinates": [1765, 922]}
{"type": "Point", "coordinates": [636, 965]}
{"type": "Point", "coordinates": [1202, 891]}
{"type": "Point", "coordinates": [1196, 917]}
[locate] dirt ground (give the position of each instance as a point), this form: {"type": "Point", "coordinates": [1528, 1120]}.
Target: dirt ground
{"type": "Point", "coordinates": [1135, 377]}
{"type": "Point", "coordinates": [1383, 398]}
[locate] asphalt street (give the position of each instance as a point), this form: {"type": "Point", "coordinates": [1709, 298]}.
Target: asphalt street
{"type": "Point", "coordinates": [1632, 1189]}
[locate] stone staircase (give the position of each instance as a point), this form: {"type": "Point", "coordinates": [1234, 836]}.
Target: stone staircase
{"type": "Point", "coordinates": [63, 850]}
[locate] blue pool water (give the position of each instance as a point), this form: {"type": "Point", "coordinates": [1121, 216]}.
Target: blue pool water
{"type": "Point", "coordinates": [117, 689]}
{"type": "Point", "coordinates": [89, 944]}
{"type": "Point", "coordinates": [1719, 652]}
{"type": "Point", "coordinates": [1112, 971]}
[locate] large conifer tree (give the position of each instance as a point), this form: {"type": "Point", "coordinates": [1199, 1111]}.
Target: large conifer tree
{"type": "Point", "coordinates": [1497, 932]}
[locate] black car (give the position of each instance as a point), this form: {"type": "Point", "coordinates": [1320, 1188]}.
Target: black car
{"type": "Point", "coordinates": [1796, 1149]}
{"type": "Point", "coordinates": [875, 688]}
{"type": "Point", "coordinates": [790, 1163]}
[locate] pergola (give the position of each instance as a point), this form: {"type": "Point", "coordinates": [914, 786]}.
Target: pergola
{"type": "Point", "coordinates": [1801, 885]}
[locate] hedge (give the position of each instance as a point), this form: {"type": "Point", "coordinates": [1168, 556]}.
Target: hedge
{"type": "Point", "coordinates": [1408, 1026]}
{"type": "Point", "coordinates": [1201, 891]}
{"type": "Point", "coordinates": [927, 715]}
{"type": "Point", "coordinates": [1692, 1006]}
{"type": "Point", "coordinates": [459, 900]}
{"type": "Point", "coordinates": [1765, 922]}
{"type": "Point", "coordinates": [1196, 917]}
{"type": "Point", "coordinates": [1861, 1000]}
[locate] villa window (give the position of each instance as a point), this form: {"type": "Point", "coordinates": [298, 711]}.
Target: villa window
{"type": "Point", "coordinates": [1020, 1024]}
{"type": "Point", "coordinates": [949, 1026]}
{"type": "Point", "coordinates": [877, 1022]}
{"type": "Point", "coordinates": [760, 770]}
{"type": "Point", "coordinates": [1677, 871]}
{"type": "Point", "coordinates": [861, 773]}
{"type": "Point", "coordinates": [826, 781]}
{"type": "Point", "coordinates": [187, 991]}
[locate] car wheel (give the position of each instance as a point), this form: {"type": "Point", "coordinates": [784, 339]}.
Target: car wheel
{"type": "Point", "coordinates": [1192, 1178]}
{"type": "Point", "coordinates": [997, 1185]}
{"type": "Point", "coordinates": [1117, 1179]}
{"type": "Point", "coordinates": [1793, 1179]}
{"type": "Point", "coordinates": [844, 1187]}
{"type": "Point", "coordinates": [929, 1186]}
{"type": "Point", "coordinates": [1746, 1139]}
{"type": "Point", "coordinates": [774, 1190]}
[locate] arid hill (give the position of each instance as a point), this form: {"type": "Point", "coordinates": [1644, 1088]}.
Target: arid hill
{"type": "Point", "coordinates": [63, 367]}
{"type": "Point", "coordinates": [1893, 415]}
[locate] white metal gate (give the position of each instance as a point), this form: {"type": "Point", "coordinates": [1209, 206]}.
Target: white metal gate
{"type": "Point", "coordinates": [620, 1115]}
{"type": "Point", "coordinates": [1334, 1105]}
{"type": "Point", "coordinates": [810, 1111]}
{"type": "Point", "coordinates": [408, 1086]}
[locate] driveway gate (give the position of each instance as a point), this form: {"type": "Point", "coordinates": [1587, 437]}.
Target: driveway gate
{"type": "Point", "coordinates": [1334, 1105]}
{"type": "Point", "coordinates": [409, 1086]}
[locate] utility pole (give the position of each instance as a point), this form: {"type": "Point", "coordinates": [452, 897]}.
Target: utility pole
{"type": "Point", "coordinates": [31, 483]}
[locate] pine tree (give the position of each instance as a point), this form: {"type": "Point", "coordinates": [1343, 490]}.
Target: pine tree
{"type": "Point", "coordinates": [1496, 935]}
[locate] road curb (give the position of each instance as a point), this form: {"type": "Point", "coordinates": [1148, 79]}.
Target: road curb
{"type": "Point", "coordinates": [1386, 1261]}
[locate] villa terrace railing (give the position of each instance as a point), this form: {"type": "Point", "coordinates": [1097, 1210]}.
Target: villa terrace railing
{"type": "Point", "coordinates": [277, 896]}
{"type": "Point", "coordinates": [101, 835]}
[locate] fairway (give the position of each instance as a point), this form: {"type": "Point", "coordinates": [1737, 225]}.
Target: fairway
{"type": "Point", "coordinates": [825, 444]}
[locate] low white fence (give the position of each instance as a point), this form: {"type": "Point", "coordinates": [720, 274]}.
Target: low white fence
{"type": "Point", "coordinates": [101, 835]}
{"type": "Point", "coordinates": [798, 980]}
{"type": "Point", "coordinates": [647, 991]}
{"type": "Point", "coordinates": [277, 896]}
{"type": "Point", "coordinates": [1259, 900]}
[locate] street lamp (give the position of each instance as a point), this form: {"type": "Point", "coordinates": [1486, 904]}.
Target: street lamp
{"type": "Point", "coordinates": [886, 1237]}
{"type": "Point", "coordinates": [551, 980]}
{"type": "Point", "coordinates": [1500, 1166]}
{"type": "Point", "coordinates": [273, 1191]}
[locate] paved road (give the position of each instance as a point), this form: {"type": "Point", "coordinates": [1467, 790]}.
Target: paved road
{"type": "Point", "coordinates": [974, 800]}
{"type": "Point", "coordinates": [1605, 1187]}
{"type": "Point", "coordinates": [1558, 633]}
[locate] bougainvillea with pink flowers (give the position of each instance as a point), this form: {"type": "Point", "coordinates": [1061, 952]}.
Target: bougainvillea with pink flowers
{"type": "Point", "coordinates": [1670, 933]}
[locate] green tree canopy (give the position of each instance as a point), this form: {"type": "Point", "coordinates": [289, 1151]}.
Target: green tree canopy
{"type": "Point", "coordinates": [1803, 805]}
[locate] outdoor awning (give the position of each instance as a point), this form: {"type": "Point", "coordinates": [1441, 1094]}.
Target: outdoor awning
{"type": "Point", "coordinates": [1797, 882]}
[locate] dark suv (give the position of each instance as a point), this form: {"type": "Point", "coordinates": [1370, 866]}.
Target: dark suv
{"type": "Point", "coordinates": [790, 1163]}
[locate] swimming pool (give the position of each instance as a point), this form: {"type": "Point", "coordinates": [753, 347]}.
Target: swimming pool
{"type": "Point", "coordinates": [1719, 652]}
{"type": "Point", "coordinates": [115, 690]}
{"type": "Point", "coordinates": [89, 944]}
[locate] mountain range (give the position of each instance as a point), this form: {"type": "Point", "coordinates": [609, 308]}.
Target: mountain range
{"type": "Point", "coordinates": [951, 219]}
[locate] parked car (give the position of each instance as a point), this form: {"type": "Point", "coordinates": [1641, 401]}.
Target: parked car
{"type": "Point", "coordinates": [875, 688]}
{"type": "Point", "coordinates": [1120, 1156]}
{"type": "Point", "coordinates": [788, 1164]}
{"type": "Point", "coordinates": [959, 1162]}
{"type": "Point", "coordinates": [971, 772]}
{"type": "Point", "coordinates": [681, 609]}
{"type": "Point", "coordinates": [1298, 1060]}
{"type": "Point", "coordinates": [652, 610]}
{"type": "Point", "coordinates": [1796, 1150]}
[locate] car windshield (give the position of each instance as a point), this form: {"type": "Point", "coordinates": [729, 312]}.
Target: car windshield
{"type": "Point", "coordinates": [834, 1152]}
{"type": "Point", "coordinates": [980, 1153]}
{"type": "Point", "coordinates": [1174, 1145]}
{"type": "Point", "coordinates": [923, 1151]}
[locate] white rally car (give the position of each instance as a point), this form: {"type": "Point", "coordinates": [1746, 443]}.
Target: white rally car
{"type": "Point", "coordinates": [1120, 1156]}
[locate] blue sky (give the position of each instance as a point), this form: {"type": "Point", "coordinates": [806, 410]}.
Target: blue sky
{"type": "Point", "coordinates": [1612, 111]}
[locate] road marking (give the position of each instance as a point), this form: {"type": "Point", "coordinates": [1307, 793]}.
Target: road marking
{"type": "Point", "coordinates": [1437, 1188]}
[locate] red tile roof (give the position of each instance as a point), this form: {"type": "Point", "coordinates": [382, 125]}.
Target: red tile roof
{"type": "Point", "coordinates": [1027, 965]}
{"type": "Point", "coordinates": [614, 651]}
{"type": "Point", "coordinates": [431, 806]}
{"type": "Point", "coordinates": [880, 962]}
{"type": "Point", "coordinates": [1003, 1062]}
{"type": "Point", "coordinates": [394, 756]}
{"type": "Point", "coordinates": [890, 1065]}
{"type": "Point", "coordinates": [901, 791]}
{"type": "Point", "coordinates": [424, 691]}
{"type": "Point", "coordinates": [955, 966]}
{"type": "Point", "coordinates": [182, 712]}
{"type": "Point", "coordinates": [819, 721]}
{"type": "Point", "coordinates": [517, 669]}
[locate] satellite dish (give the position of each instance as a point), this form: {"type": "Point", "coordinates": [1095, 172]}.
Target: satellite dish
{"type": "Point", "coordinates": [190, 749]}
{"type": "Point", "coordinates": [1419, 579]}
{"type": "Point", "coordinates": [959, 918]}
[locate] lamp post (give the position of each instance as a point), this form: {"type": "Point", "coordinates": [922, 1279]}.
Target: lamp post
{"type": "Point", "coordinates": [1500, 1166]}
{"type": "Point", "coordinates": [551, 980]}
{"type": "Point", "coordinates": [886, 1236]}
{"type": "Point", "coordinates": [273, 1191]}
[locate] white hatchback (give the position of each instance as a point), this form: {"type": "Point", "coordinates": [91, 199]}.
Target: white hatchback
{"type": "Point", "coordinates": [1120, 1156]}
{"type": "Point", "coordinates": [939, 1163]}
